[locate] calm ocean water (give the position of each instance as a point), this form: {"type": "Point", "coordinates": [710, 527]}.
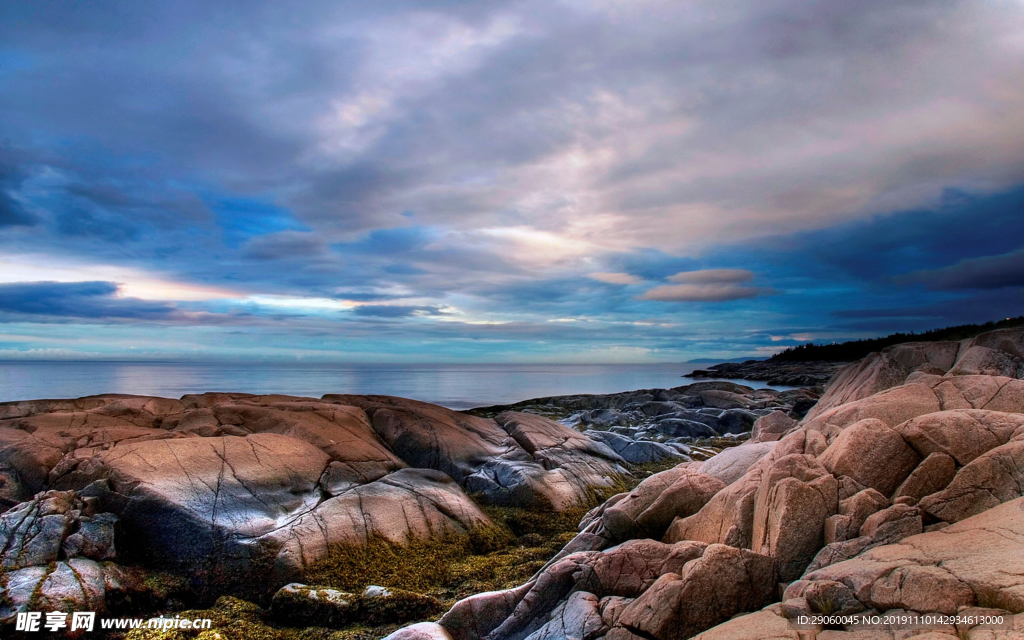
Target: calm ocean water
{"type": "Point", "coordinates": [458, 386]}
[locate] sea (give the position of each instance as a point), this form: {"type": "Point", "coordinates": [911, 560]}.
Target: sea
{"type": "Point", "coordinates": [457, 386]}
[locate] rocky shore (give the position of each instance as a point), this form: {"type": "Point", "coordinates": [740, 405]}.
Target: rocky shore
{"type": "Point", "coordinates": [898, 490]}
{"type": "Point", "coordinates": [774, 372]}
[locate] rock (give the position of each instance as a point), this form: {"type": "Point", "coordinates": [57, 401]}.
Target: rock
{"type": "Point", "coordinates": [729, 465]}
{"type": "Point", "coordinates": [304, 605]}
{"type": "Point", "coordinates": [245, 513]}
{"type": "Point", "coordinates": [736, 421]}
{"type": "Point", "coordinates": [33, 532]}
{"type": "Point", "coordinates": [421, 631]}
{"type": "Point", "coordinates": [962, 565]}
{"type": "Point", "coordinates": [637, 451]}
{"type": "Point", "coordinates": [711, 589]}
{"type": "Point", "coordinates": [186, 501]}
{"type": "Point", "coordinates": [654, 409]}
{"type": "Point", "coordinates": [861, 505]}
{"type": "Point", "coordinates": [962, 434]}
{"type": "Point", "coordinates": [94, 539]}
{"type": "Point", "coordinates": [410, 504]}
{"type": "Point", "coordinates": [680, 428]}
{"type": "Point", "coordinates": [475, 617]}
{"type": "Point", "coordinates": [893, 523]}
{"type": "Point", "coordinates": [432, 437]}
{"type": "Point", "coordinates": [873, 454]}
{"type": "Point", "coordinates": [932, 475]}
{"type": "Point", "coordinates": [727, 518]}
{"type": "Point", "coordinates": [795, 497]}
{"type": "Point", "coordinates": [762, 625]}
{"type": "Point", "coordinates": [551, 443]}
{"type": "Point", "coordinates": [629, 569]}
{"type": "Point", "coordinates": [578, 617]}
{"type": "Point", "coordinates": [551, 586]}
{"type": "Point", "coordinates": [308, 606]}
{"type": "Point", "coordinates": [892, 406]}
{"type": "Point", "coordinates": [724, 399]}
{"type": "Point", "coordinates": [684, 497]}
{"type": "Point", "coordinates": [776, 372]}
{"type": "Point", "coordinates": [771, 427]}
{"type": "Point", "coordinates": [824, 597]}
{"type": "Point", "coordinates": [73, 585]}
{"type": "Point", "coordinates": [881, 371]}
{"type": "Point", "coordinates": [990, 479]}
{"type": "Point", "coordinates": [388, 606]}
{"type": "Point", "coordinates": [604, 418]}
{"type": "Point", "coordinates": [883, 527]}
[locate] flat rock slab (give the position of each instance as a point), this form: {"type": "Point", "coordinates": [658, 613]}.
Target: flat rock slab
{"type": "Point", "coordinates": [978, 561]}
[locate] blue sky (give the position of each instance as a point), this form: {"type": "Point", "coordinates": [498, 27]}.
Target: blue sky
{"type": "Point", "coordinates": [597, 181]}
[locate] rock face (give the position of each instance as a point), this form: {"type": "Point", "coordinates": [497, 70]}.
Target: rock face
{"type": "Point", "coordinates": [243, 492]}
{"type": "Point", "coordinates": [901, 492]}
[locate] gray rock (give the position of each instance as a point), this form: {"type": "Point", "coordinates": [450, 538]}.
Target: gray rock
{"type": "Point", "coordinates": [677, 427]}
{"type": "Point", "coordinates": [637, 451]}
{"type": "Point", "coordinates": [94, 539]}
{"type": "Point", "coordinates": [736, 421]}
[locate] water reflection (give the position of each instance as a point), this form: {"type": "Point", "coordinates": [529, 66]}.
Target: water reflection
{"type": "Point", "coordinates": [457, 386]}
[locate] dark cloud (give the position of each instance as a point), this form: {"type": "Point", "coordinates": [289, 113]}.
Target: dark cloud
{"type": "Point", "coordinates": [988, 272]}
{"type": "Point", "coordinates": [394, 311]}
{"type": "Point", "coordinates": [286, 245]}
{"type": "Point", "coordinates": [12, 214]}
{"type": "Point", "coordinates": [86, 300]}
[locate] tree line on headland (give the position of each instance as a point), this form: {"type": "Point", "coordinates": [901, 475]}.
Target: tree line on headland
{"type": "Point", "coordinates": [857, 349]}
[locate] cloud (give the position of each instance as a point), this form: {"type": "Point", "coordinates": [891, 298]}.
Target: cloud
{"type": "Point", "coordinates": [395, 311]}
{"type": "Point", "coordinates": [706, 285]}
{"type": "Point", "coordinates": [518, 160]}
{"type": "Point", "coordinates": [712, 276]}
{"type": "Point", "coordinates": [701, 293]}
{"type": "Point", "coordinates": [616, 278]}
{"type": "Point", "coordinates": [986, 272]}
{"type": "Point", "coordinates": [87, 300]}
{"type": "Point", "coordinates": [12, 214]}
{"type": "Point", "coordinates": [286, 245]}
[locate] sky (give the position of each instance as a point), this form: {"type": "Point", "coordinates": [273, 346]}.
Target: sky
{"type": "Point", "coordinates": [523, 181]}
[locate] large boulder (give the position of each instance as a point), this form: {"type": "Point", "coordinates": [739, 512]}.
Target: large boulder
{"type": "Point", "coordinates": [730, 465]}
{"type": "Point", "coordinates": [873, 454]}
{"type": "Point", "coordinates": [408, 505]}
{"type": "Point", "coordinates": [990, 479]}
{"type": "Point", "coordinates": [650, 508]}
{"type": "Point", "coordinates": [432, 437]}
{"type": "Point", "coordinates": [629, 569]}
{"type": "Point", "coordinates": [709, 590]}
{"type": "Point", "coordinates": [237, 510]}
{"type": "Point", "coordinates": [932, 475]}
{"type": "Point", "coordinates": [772, 427]}
{"type": "Point", "coordinates": [963, 434]}
{"type": "Point", "coordinates": [795, 497]}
